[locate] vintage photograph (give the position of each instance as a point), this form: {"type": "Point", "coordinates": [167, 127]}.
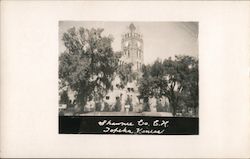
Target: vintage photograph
{"type": "Point", "coordinates": [145, 69]}
{"type": "Point", "coordinates": [125, 79]}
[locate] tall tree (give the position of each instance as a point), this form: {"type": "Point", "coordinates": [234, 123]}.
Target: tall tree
{"type": "Point", "coordinates": [175, 79]}
{"type": "Point", "coordinates": [190, 74]}
{"type": "Point", "coordinates": [182, 78]}
{"type": "Point", "coordinates": [88, 64]}
{"type": "Point", "coordinates": [146, 86]}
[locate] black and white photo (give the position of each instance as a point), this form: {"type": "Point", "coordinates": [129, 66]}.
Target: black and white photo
{"type": "Point", "coordinates": [138, 69]}
{"type": "Point", "coordinates": [124, 79]}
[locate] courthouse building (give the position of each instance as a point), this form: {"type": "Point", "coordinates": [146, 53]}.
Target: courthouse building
{"type": "Point", "coordinates": [132, 52]}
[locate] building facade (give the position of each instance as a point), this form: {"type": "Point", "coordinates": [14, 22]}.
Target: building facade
{"type": "Point", "coordinates": [132, 52]}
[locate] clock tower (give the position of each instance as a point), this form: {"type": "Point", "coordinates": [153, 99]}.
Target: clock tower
{"type": "Point", "coordinates": [132, 48]}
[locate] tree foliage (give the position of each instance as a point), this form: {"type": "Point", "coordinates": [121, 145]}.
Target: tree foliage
{"type": "Point", "coordinates": [64, 98]}
{"type": "Point", "coordinates": [88, 64]}
{"type": "Point", "coordinates": [175, 79]}
{"type": "Point", "coordinates": [129, 102]}
{"type": "Point", "coordinates": [118, 105]}
{"type": "Point", "coordinates": [126, 74]}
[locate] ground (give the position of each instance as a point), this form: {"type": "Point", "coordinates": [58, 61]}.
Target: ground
{"type": "Point", "coordinates": [167, 114]}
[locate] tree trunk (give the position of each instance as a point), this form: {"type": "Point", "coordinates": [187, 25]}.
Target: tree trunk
{"type": "Point", "coordinates": [173, 105]}
{"type": "Point", "coordinates": [146, 105]}
{"type": "Point", "coordinates": [174, 110]}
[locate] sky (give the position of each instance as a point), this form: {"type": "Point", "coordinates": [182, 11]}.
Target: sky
{"type": "Point", "coordinates": [161, 39]}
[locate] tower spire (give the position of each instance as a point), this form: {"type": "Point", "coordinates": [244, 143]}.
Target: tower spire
{"type": "Point", "coordinates": [132, 27]}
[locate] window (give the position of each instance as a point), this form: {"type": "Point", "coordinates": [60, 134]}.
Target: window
{"type": "Point", "coordinates": [107, 97]}
{"type": "Point", "coordinates": [117, 85]}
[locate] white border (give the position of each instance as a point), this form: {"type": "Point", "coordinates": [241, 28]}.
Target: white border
{"type": "Point", "coordinates": [29, 75]}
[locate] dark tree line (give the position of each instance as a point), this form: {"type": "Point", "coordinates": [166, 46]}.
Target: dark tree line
{"type": "Point", "coordinates": [176, 79]}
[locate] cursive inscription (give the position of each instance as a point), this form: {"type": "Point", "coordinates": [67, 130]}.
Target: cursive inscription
{"type": "Point", "coordinates": [111, 123]}
{"type": "Point", "coordinates": [118, 130]}
{"type": "Point", "coordinates": [134, 127]}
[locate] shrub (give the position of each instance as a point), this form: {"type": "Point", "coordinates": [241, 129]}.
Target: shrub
{"type": "Point", "coordinates": [98, 106]}
{"type": "Point", "coordinates": [64, 98]}
{"type": "Point", "coordinates": [160, 107]}
{"type": "Point", "coordinates": [118, 105]}
{"type": "Point", "coordinates": [106, 107]}
{"type": "Point", "coordinates": [129, 102]}
{"type": "Point", "coordinates": [146, 107]}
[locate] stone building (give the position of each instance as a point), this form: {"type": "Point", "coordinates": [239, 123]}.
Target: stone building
{"type": "Point", "coordinates": [132, 52]}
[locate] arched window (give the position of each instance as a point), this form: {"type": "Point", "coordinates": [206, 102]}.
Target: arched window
{"type": "Point", "coordinates": [128, 53]}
